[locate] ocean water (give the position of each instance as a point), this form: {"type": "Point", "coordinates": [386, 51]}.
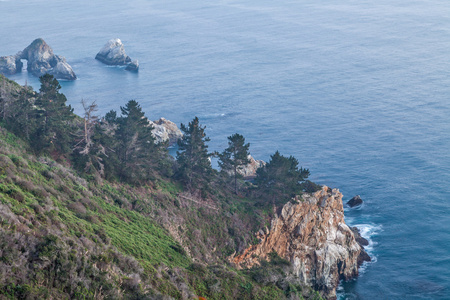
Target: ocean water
{"type": "Point", "coordinates": [358, 91]}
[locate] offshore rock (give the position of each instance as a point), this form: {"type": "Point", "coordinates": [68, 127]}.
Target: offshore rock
{"type": "Point", "coordinates": [41, 60]}
{"type": "Point", "coordinates": [113, 53]}
{"type": "Point", "coordinates": [165, 130]}
{"type": "Point", "coordinates": [359, 239]}
{"type": "Point", "coordinates": [133, 66]}
{"type": "Point", "coordinates": [249, 171]}
{"type": "Point", "coordinates": [355, 201]}
{"type": "Point", "coordinates": [310, 232]}
{"type": "Point", "coordinates": [10, 65]}
{"type": "Point", "coordinates": [363, 256]}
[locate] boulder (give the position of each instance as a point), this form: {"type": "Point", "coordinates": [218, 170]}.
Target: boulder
{"type": "Point", "coordinates": [362, 241]}
{"type": "Point", "coordinates": [41, 60]}
{"type": "Point", "coordinates": [113, 53]}
{"type": "Point", "coordinates": [355, 201]}
{"type": "Point", "coordinates": [165, 130]}
{"type": "Point", "coordinates": [10, 65]}
{"type": "Point", "coordinates": [249, 171]}
{"type": "Point", "coordinates": [363, 256]}
{"type": "Point", "coordinates": [133, 66]}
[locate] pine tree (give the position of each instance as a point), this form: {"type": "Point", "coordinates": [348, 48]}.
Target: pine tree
{"type": "Point", "coordinates": [136, 148]}
{"type": "Point", "coordinates": [20, 117]}
{"type": "Point", "coordinates": [193, 159]}
{"type": "Point", "coordinates": [6, 100]}
{"type": "Point", "coordinates": [54, 118]}
{"type": "Point", "coordinates": [281, 177]}
{"type": "Point", "coordinates": [235, 156]}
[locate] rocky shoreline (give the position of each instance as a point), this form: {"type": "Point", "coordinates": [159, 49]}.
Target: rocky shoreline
{"type": "Point", "coordinates": [310, 233]}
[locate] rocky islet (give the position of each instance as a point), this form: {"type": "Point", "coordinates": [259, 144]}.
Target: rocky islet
{"type": "Point", "coordinates": [355, 201]}
{"type": "Point", "coordinates": [113, 54]}
{"type": "Point", "coordinates": [41, 60]}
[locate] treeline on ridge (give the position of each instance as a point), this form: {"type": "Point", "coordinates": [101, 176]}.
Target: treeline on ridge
{"type": "Point", "coordinates": [122, 147]}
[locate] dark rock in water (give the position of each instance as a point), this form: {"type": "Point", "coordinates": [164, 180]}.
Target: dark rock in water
{"type": "Point", "coordinates": [113, 53]}
{"type": "Point", "coordinates": [41, 60]}
{"type": "Point", "coordinates": [10, 65]}
{"type": "Point", "coordinates": [359, 239]}
{"type": "Point", "coordinates": [355, 201]}
{"type": "Point", "coordinates": [133, 66]}
{"type": "Point", "coordinates": [363, 256]}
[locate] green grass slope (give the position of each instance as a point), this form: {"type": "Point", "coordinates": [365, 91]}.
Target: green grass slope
{"type": "Point", "coordinates": [65, 237]}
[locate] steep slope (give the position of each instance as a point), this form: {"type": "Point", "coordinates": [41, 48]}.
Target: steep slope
{"type": "Point", "coordinates": [65, 237]}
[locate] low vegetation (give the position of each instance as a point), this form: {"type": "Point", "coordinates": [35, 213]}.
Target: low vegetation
{"type": "Point", "coordinates": [91, 208]}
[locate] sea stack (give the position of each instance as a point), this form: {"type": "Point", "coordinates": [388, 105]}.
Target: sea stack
{"type": "Point", "coordinates": [113, 54]}
{"type": "Point", "coordinates": [10, 65]}
{"type": "Point", "coordinates": [41, 60]}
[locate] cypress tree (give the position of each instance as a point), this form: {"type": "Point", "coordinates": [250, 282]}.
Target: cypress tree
{"type": "Point", "coordinates": [54, 118]}
{"type": "Point", "coordinates": [235, 156]}
{"type": "Point", "coordinates": [20, 119]}
{"type": "Point", "coordinates": [136, 149]}
{"type": "Point", "coordinates": [194, 166]}
{"type": "Point", "coordinates": [281, 177]}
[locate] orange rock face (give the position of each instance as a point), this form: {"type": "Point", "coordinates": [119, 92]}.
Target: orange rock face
{"type": "Point", "coordinates": [310, 233]}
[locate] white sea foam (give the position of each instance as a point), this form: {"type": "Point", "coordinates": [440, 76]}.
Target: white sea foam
{"type": "Point", "coordinates": [368, 231]}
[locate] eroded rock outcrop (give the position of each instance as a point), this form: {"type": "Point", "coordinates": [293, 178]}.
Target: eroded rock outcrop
{"type": "Point", "coordinates": [113, 53]}
{"type": "Point", "coordinates": [41, 60]}
{"type": "Point", "coordinates": [10, 65]}
{"type": "Point", "coordinates": [165, 130]}
{"type": "Point", "coordinates": [311, 234]}
{"type": "Point", "coordinates": [249, 170]}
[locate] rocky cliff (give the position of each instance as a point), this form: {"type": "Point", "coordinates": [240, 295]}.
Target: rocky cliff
{"type": "Point", "coordinates": [310, 232]}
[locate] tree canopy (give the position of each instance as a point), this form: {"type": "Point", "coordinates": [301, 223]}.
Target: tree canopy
{"type": "Point", "coordinates": [235, 156]}
{"type": "Point", "coordinates": [194, 166]}
{"type": "Point", "coordinates": [136, 150]}
{"type": "Point", "coordinates": [53, 118]}
{"type": "Point", "coordinates": [281, 177]}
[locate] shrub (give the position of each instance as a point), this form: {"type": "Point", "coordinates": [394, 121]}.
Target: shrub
{"type": "Point", "coordinates": [311, 187]}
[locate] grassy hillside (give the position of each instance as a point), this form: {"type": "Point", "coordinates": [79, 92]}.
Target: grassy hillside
{"type": "Point", "coordinates": [64, 235]}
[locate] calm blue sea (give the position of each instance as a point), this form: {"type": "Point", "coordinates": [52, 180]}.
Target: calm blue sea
{"type": "Point", "coordinates": [357, 90]}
